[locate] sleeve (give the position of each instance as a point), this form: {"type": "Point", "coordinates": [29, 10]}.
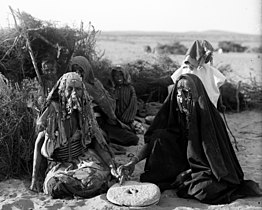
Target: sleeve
{"type": "Point", "coordinates": [42, 120]}
{"type": "Point", "coordinates": [164, 81]}
{"type": "Point", "coordinates": [48, 123]}
{"type": "Point", "coordinates": [102, 98]}
{"type": "Point", "coordinates": [219, 77]}
{"type": "Point", "coordinates": [130, 112]}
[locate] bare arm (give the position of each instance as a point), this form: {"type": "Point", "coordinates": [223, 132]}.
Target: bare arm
{"type": "Point", "coordinates": [164, 81]}
{"type": "Point", "coordinates": [37, 159]}
{"type": "Point", "coordinates": [142, 154]}
{"type": "Point", "coordinates": [128, 169]}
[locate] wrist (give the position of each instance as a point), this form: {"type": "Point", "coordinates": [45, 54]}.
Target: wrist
{"type": "Point", "coordinates": [112, 164]}
{"type": "Point", "coordinates": [135, 159]}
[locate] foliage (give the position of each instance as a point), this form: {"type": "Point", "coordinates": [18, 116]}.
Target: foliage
{"type": "Point", "coordinates": [256, 49]}
{"type": "Point", "coordinates": [102, 69]}
{"type": "Point", "coordinates": [86, 45]}
{"type": "Point", "coordinates": [33, 40]}
{"type": "Point", "coordinates": [252, 93]}
{"type": "Point", "coordinates": [174, 48]}
{"type": "Point", "coordinates": [16, 130]}
{"type": "Point", "coordinates": [239, 95]}
{"type": "Point", "coordinates": [225, 68]}
{"type": "Point", "coordinates": [144, 74]}
{"type": "Point", "coordinates": [229, 46]}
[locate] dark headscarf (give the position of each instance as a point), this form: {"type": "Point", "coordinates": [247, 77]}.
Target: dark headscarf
{"type": "Point", "coordinates": [86, 66]}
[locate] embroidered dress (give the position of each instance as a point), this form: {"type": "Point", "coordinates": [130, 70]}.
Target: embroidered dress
{"type": "Point", "coordinates": [74, 144]}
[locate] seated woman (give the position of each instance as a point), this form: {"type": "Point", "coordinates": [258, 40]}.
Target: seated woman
{"type": "Point", "coordinates": [187, 148]}
{"type": "Point", "coordinates": [104, 106]}
{"type": "Point", "coordinates": [102, 100]}
{"type": "Point", "coordinates": [126, 108]}
{"type": "Point", "coordinates": [79, 159]}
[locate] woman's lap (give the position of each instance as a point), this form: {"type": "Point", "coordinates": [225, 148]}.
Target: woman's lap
{"type": "Point", "coordinates": [87, 177]}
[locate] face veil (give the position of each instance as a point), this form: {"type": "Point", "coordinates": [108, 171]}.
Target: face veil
{"type": "Point", "coordinates": [81, 102]}
{"type": "Point", "coordinates": [184, 96]}
{"type": "Point", "coordinates": [71, 89]}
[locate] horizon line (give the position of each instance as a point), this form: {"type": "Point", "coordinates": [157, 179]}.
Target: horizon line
{"type": "Point", "coordinates": [161, 31]}
{"type": "Point", "coordinates": [182, 32]}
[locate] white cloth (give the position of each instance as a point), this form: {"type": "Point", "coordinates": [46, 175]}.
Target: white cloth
{"type": "Point", "coordinates": [211, 78]}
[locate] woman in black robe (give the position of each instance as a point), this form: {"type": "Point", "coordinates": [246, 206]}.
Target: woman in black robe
{"type": "Point", "coordinates": [187, 148]}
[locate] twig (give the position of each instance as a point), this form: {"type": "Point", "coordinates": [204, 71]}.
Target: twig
{"type": "Point", "coordinates": [33, 59]}
{"type": "Point", "coordinates": [10, 102]}
{"type": "Point", "coordinates": [10, 49]}
{"type": "Point", "coordinates": [237, 94]}
{"type": "Point", "coordinates": [235, 141]}
{"type": "Point", "coordinates": [12, 11]}
{"type": "Point", "coordinates": [24, 33]}
{"type": "Point", "coordinates": [6, 40]}
{"type": "Point", "coordinates": [81, 37]}
{"type": "Point", "coordinates": [16, 39]}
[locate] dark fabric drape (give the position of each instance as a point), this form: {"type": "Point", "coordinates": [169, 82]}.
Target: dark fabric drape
{"type": "Point", "coordinates": [204, 147]}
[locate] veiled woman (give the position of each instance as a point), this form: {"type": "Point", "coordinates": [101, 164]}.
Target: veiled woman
{"type": "Point", "coordinates": [79, 158]}
{"type": "Point", "coordinates": [187, 148]}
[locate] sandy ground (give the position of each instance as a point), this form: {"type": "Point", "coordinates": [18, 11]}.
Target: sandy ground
{"type": "Point", "coordinates": [246, 127]}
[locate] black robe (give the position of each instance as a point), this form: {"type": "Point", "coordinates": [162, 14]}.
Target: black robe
{"type": "Point", "coordinates": [202, 145]}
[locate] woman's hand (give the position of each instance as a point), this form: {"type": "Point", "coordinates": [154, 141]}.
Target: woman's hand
{"type": "Point", "coordinates": [113, 170]}
{"type": "Point", "coordinates": [124, 171]}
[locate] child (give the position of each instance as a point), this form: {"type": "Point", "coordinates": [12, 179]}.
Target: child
{"type": "Point", "coordinates": [124, 93]}
{"type": "Point", "coordinates": [126, 108]}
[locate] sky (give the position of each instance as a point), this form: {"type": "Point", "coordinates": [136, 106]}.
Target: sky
{"type": "Point", "coordinates": [243, 16]}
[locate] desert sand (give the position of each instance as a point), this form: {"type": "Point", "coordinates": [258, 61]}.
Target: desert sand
{"type": "Point", "coordinates": [246, 126]}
